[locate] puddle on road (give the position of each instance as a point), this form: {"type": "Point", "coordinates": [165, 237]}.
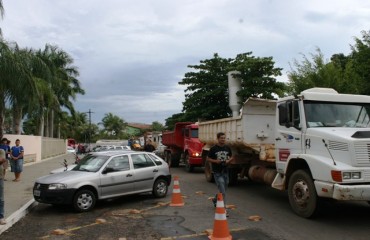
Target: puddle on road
{"type": "Point", "coordinates": [169, 225]}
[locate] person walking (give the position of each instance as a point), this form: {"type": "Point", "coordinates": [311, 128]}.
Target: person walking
{"type": "Point", "coordinates": [5, 146]}
{"type": "Point", "coordinates": [149, 146]}
{"type": "Point", "coordinates": [16, 163]}
{"type": "Point", "coordinates": [2, 161]}
{"type": "Point", "coordinates": [220, 156]}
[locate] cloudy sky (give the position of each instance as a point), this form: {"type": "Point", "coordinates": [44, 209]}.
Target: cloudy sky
{"type": "Point", "coordinates": [132, 54]}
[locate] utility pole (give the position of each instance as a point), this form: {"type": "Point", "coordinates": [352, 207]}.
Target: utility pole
{"type": "Point", "coordinates": [89, 112]}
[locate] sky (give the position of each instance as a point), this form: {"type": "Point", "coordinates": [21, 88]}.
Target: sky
{"type": "Point", "coordinates": [132, 54]}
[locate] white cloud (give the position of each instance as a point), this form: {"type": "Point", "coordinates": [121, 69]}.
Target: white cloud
{"type": "Point", "coordinates": [131, 55]}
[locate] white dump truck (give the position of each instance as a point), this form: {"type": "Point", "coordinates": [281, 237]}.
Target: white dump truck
{"type": "Point", "coordinates": [315, 145]}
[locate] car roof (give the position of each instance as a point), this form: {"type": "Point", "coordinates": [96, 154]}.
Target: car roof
{"type": "Point", "coordinates": [116, 152]}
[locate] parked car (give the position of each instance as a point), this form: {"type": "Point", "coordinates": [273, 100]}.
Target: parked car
{"type": "Point", "coordinates": [70, 149]}
{"type": "Point", "coordinates": [104, 175]}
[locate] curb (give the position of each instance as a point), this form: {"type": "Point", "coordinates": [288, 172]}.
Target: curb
{"type": "Point", "coordinates": [16, 216]}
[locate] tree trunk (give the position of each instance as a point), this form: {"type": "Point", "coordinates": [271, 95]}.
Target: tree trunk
{"type": "Point", "coordinates": [46, 126]}
{"type": "Point", "coordinates": [41, 124]}
{"type": "Point", "coordinates": [2, 113]}
{"type": "Point", "coordinates": [51, 123]}
{"type": "Point", "coordinates": [17, 119]}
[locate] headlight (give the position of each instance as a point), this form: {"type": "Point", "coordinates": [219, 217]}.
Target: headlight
{"type": "Point", "coordinates": [346, 175]}
{"type": "Point", "coordinates": [356, 175]}
{"type": "Point", "coordinates": [351, 175]}
{"type": "Point", "coordinates": [195, 154]}
{"type": "Point", "coordinates": [57, 186]}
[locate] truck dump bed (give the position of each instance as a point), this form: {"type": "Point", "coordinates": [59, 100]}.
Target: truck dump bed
{"type": "Point", "coordinates": [254, 129]}
{"type": "Point", "coordinates": [175, 138]}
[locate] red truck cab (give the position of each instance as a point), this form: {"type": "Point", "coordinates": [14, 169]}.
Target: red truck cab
{"type": "Point", "coordinates": [183, 145]}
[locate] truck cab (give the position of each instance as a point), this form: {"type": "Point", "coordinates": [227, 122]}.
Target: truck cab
{"type": "Point", "coordinates": [192, 148]}
{"type": "Point", "coordinates": [322, 148]}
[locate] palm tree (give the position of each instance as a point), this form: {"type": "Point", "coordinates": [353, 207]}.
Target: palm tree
{"type": "Point", "coordinates": [63, 83]}
{"type": "Point", "coordinates": [1, 13]}
{"type": "Point", "coordinates": [113, 124]}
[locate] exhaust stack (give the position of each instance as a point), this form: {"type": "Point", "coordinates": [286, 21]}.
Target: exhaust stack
{"type": "Point", "coordinates": [234, 87]}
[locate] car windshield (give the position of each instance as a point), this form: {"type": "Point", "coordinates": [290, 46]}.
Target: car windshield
{"type": "Point", "coordinates": [336, 114]}
{"type": "Point", "coordinates": [91, 163]}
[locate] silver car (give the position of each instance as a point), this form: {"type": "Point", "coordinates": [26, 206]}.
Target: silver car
{"type": "Point", "coordinates": [104, 175]}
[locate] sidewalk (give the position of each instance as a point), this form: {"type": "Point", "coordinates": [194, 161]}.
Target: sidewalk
{"type": "Point", "coordinates": [18, 195]}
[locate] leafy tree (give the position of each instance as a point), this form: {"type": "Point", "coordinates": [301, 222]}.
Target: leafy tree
{"type": "Point", "coordinates": [157, 126]}
{"type": "Point", "coordinates": [258, 76]}
{"type": "Point", "coordinates": [206, 95]}
{"type": "Point", "coordinates": [358, 66]}
{"type": "Point", "coordinates": [113, 125]}
{"type": "Point", "coordinates": [177, 117]}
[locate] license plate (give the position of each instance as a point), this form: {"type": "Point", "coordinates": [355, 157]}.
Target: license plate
{"type": "Point", "coordinates": [36, 193]}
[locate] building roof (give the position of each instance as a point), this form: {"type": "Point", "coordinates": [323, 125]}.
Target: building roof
{"type": "Point", "coordinates": [139, 125]}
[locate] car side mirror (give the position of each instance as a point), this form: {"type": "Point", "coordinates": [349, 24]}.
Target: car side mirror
{"type": "Point", "coordinates": [108, 170]}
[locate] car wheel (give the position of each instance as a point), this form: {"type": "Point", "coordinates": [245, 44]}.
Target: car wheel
{"type": "Point", "coordinates": [160, 188]}
{"type": "Point", "coordinates": [302, 194]}
{"type": "Point", "coordinates": [84, 200]}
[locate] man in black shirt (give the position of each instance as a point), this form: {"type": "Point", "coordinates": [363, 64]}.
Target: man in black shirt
{"type": "Point", "coordinates": [220, 156]}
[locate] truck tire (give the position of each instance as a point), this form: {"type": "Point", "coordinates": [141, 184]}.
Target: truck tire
{"type": "Point", "coordinates": [208, 172]}
{"type": "Point", "coordinates": [302, 194]}
{"type": "Point", "coordinates": [175, 159]}
{"type": "Point", "coordinates": [233, 176]}
{"type": "Point", "coordinates": [189, 168]}
{"type": "Point", "coordinates": [167, 158]}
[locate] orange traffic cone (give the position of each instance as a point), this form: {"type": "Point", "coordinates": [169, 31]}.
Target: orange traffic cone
{"type": "Point", "coordinates": [220, 227]}
{"type": "Point", "coordinates": [176, 194]}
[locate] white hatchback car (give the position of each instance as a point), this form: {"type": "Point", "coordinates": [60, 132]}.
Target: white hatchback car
{"type": "Point", "coordinates": [104, 175]}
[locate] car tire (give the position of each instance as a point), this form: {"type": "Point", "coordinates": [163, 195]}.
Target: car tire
{"type": "Point", "coordinates": [160, 188]}
{"type": "Point", "coordinates": [84, 200]}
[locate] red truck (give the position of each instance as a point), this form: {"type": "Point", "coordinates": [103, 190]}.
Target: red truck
{"type": "Point", "coordinates": [183, 145]}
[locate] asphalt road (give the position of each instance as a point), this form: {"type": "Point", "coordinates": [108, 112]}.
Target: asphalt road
{"type": "Point", "coordinates": [145, 217]}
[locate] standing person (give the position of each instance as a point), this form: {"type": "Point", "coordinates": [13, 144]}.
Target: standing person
{"type": "Point", "coordinates": [149, 146]}
{"type": "Point", "coordinates": [16, 163]}
{"type": "Point", "coordinates": [220, 156]}
{"type": "Point", "coordinates": [5, 146]}
{"type": "Point", "coordinates": [2, 161]}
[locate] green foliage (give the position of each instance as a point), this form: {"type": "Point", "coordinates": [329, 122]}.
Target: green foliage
{"type": "Point", "coordinates": [346, 74]}
{"type": "Point", "coordinates": [206, 95]}
{"type": "Point", "coordinates": [113, 126]}
{"type": "Point", "coordinates": [157, 126]}
{"type": "Point", "coordinates": [178, 117]}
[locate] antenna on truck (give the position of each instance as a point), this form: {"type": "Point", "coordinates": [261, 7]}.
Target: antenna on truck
{"type": "Point", "coordinates": [326, 146]}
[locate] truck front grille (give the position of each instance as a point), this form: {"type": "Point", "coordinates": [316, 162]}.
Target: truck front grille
{"type": "Point", "coordinates": [362, 152]}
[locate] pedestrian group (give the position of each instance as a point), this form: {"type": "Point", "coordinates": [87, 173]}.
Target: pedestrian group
{"type": "Point", "coordinates": [14, 157]}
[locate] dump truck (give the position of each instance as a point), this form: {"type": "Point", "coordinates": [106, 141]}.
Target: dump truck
{"type": "Point", "coordinates": [182, 145]}
{"type": "Point", "coordinates": [315, 145]}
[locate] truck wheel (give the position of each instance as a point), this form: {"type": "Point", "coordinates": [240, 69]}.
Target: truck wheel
{"type": "Point", "coordinates": [302, 194]}
{"type": "Point", "coordinates": [233, 176]}
{"type": "Point", "coordinates": [208, 172]}
{"type": "Point", "coordinates": [175, 159]}
{"type": "Point", "coordinates": [84, 200]}
{"type": "Point", "coordinates": [167, 158]}
{"type": "Point", "coordinates": [188, 167]}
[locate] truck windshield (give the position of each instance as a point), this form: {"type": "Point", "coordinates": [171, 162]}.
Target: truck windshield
{"type": "Point", "coordinates": [194, 133]}
{"type": "Point", "coordinates": [336, 114]}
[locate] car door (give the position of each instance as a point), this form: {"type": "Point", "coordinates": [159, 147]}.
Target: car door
{"type": "Point", "coordinates": [119, 179]}
{"type": "Point", "coordinates": [144, 172]}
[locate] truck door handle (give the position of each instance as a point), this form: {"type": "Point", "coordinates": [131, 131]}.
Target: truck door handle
{"type": "Point", "coordinates": [129, 175]}
{"type": "Point", "coordinates": [155, 170]}
{"type": "Point", "coordinates": [278, 139]}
